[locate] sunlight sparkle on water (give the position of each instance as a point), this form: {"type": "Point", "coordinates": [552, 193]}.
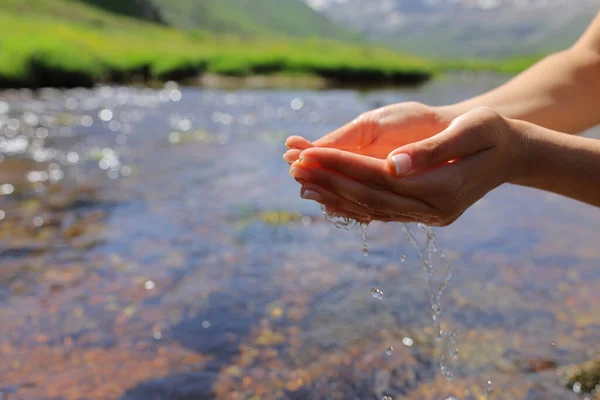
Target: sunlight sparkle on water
{"type": "Point", "coordinates": [7, 189]}
{"type": "Point", "coordinates": [105, 115]}
{"type": "Point", "coordinates": [296, 104]}
{"type": "Point", "coordinates": [377, 294]}
{"type": "Point", "coordinates": [149, 285]}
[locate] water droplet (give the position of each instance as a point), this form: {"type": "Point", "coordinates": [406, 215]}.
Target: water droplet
{"type": "Point", "coordinates": [490, 386]}
{"type": "Point", "coordinates": [364, 227]}
{"type": "Point", "coordinates": [454, 354]}
{"type": "Point", "coordinates": [206, 324]}
{"type": "Point", "coordinates": [306, 220]}
{"type": "Point", "coordinates": [377, 294]}
{"type": "Point", "coordinates": [157, 335]}
{"type": "Point", "coordinates": [389, 351]}
{"type": "Point", "coordinates": [577, 387]}
{"type": "Point", "coordinates": [38, 221]}
{"type": "Point", "coordinates": [2, 215]}
{"type": "Point", "coordinates": [150, 285]}
{"type": "Point", "coordinates": [553, 344]}
{"type": "Point", "coordinates": [450, 398]}
{"type": "Point", "coordinates": [387, 398]}
{"type": "Point", "coordinates": [408, 342]}
{"type": "Point", "coordinates": [403, 258]}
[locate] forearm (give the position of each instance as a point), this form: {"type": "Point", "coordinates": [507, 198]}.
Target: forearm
{"type": "Point", "coordinates": [561, 92]}
{"type": "Point", "coordinates": [559, 163]}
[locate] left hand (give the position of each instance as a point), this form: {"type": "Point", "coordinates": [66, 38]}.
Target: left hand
{"type": "Point", "coordinates": [431, 181]}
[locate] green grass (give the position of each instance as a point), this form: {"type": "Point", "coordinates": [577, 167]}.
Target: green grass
{"type": "Point", "coordinates": [257, 18]}
{"type": "Point", "coordinates": [65, 43]}
{"type": "Point", "coordinates": [508, 66]}
{"type": "Point", "coordinates": [68, 43]}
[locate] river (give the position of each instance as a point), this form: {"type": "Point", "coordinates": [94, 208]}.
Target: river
{"type": "Point", "coordinates": [153, 246]}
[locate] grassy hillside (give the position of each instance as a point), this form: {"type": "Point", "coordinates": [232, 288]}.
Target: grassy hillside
{"type": "Point", "coordinates": [69, 43]}
{"type": "Point", "coordinates": [142, 9]}
{"type": "Point", "coordinates": [251, 18]}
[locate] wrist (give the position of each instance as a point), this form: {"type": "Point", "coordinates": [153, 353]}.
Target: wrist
{"type": "Point", "coordinates": [523, 148]}
{"type": "Point", "coordinates": [448, 113]}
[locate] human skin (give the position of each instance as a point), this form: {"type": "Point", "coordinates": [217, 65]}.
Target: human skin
{"type": "Point", "coordinates": [450, 171]}
{"type": "Point", "coordinates": [524, 121]}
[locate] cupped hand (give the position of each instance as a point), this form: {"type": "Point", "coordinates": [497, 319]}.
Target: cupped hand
{"type": "Point", "coordinates": [431, 181]}
{"type": "Point", "coordinates": [377, 132]}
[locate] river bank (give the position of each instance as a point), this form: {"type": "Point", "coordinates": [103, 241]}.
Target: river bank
{"type": "Point", "coordinates": [67, 44]}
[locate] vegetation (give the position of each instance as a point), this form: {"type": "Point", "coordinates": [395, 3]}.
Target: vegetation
{"type": "Point", "coordinates": [262, 18]}
{"type": "Point", "coordinates": [67, 43]}
{"type": "Point", "coordinates": [70, 43]}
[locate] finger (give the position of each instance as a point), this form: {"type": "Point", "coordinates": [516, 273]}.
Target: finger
{"type": "Point", "coordinates": [375, 200]}
{"type": "Point", "coordinates": [310, 191]}
{"type": "Point", "coordinates": [368, 170]}
{"type": "Point", "coordinates": [298, 142]}
{"type": "Point", "coordinates": [332, 201]}
{"type": "Point", "coordinates": [351, 136]}
{"type": "Point", "coordinates": [291, 156]}
{"type": "Point", "coordinates": [468, 134]}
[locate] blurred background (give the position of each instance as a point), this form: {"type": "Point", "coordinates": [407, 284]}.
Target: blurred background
{"type": "Point", "coordinates": [153, 246]}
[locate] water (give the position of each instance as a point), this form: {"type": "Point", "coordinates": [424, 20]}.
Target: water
{"type": "Point", "coordinates": [377, 294]}
{"type": "Point", "coordinates": [364, 228]}
{"type": "Point", "coordinates": [190, 262]}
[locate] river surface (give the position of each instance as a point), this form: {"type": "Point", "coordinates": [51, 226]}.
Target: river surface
{"type": "Point", "coordinates": [153, 246]}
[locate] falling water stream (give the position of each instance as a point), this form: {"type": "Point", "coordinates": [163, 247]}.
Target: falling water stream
{"type": "Point", "coordinates": [445, 339]}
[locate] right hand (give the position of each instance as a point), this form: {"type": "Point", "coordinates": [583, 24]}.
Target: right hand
{"type": "Point", "coordinates": [376, 133]}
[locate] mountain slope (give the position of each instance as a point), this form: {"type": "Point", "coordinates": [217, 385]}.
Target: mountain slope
{"type": "Point", "coordinates": [251, 17]}
{"type": "Point", "coordinates": [289, 18]}
{"type": "Point", "coordinates": [466, 28]}
{"type": "Point", "coordinates": [142, 9]}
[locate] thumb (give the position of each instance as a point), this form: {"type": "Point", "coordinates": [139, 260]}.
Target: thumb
{"type": "Point", "coordinates": [352, 135]}
{"type": "Point", "coordinates": [466, 135]}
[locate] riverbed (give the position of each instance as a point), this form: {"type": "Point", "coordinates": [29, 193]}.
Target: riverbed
{"type": "Point", "coordinates": [153, 246]}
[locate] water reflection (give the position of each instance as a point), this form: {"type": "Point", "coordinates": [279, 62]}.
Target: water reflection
{"type": "Point", "coordinates": [153, 246]}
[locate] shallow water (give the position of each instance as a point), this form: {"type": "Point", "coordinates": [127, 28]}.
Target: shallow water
{"type": "Point", "coordinates": [172, 258]}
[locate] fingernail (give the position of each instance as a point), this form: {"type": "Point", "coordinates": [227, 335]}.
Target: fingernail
{"type": "Point", "coordinates": [286, 158]}
{"type": "Point", "coordinates": [300, 159]}
{"type": "Point", "coordinates": [403, 163]}
{"type": "Point", "coordinates": [311, 195]}
{"type": "Point", "coordinates": [292, 170]}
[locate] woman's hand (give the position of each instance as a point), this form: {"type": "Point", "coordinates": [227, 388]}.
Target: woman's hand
{"type": "Point", "coordinates": [431, 181]}
{"type": "Point", "coordinates": [378, 132]}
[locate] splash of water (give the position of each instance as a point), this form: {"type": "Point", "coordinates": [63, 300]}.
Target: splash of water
{"type": "Point", "coordinates": [339, 221]}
